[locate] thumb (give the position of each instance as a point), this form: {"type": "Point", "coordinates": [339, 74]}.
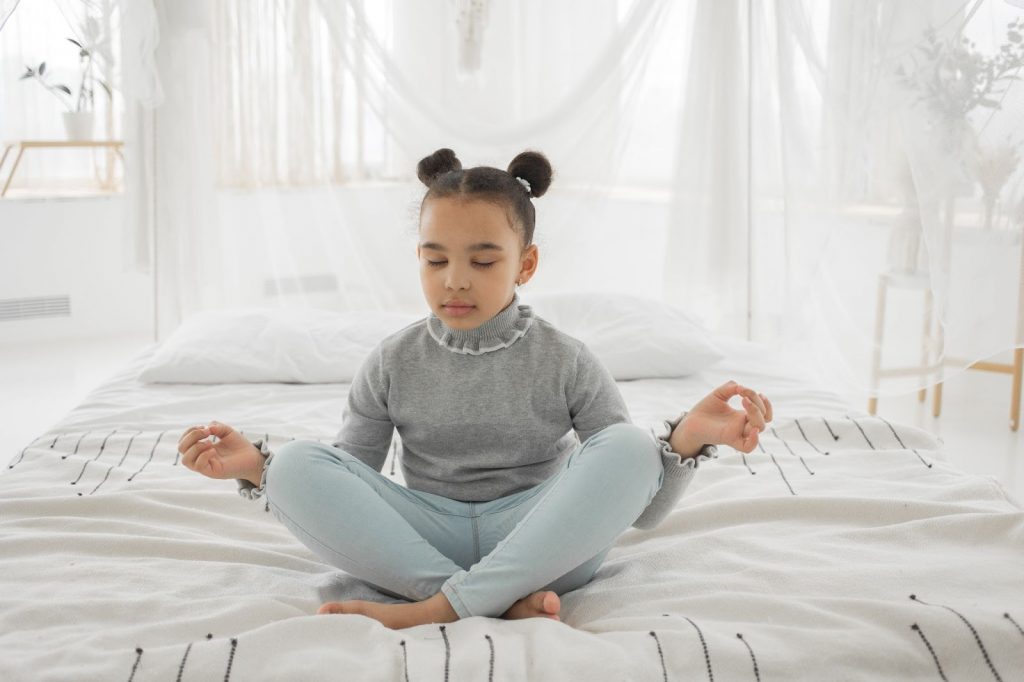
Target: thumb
{"type": "Point", "coordinates": [219, 430]}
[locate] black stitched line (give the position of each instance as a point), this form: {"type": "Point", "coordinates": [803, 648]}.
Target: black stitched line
{"type": "Point", "coordinates": [915, 627]}
{"type": "Point", "coordinates": [861, 431]}
{"type": "Point", "coordinates": [1010, 618]}
{"type": "Point", "coordinates": [21, 456]}
{"type": "Point", "coordinates": [181, 667]}
{"type": "Point", "coordinates": [707, 659]}
{"type": "Point", "coordinates": [781, 473]}
{"type": "Point", "coordinates": [776, 434]}
{"type": "Point", "coordinates": [744, 457]}
{"type": "Point", "coordinates": [898, 440]}
{"type": "Point", "coordinates": [113, 466]}
{"type": "Point", "coordinates": [98, 454]}
{"type": "Point", "coordinates": [447, 653]}
{"type": "Point", "coordinates": [757, 674]}
{"type": "Point", "coordinates": [127, 448]}
{"type": "Point", "coordinates": [927, 464]}
{"type": "Point", "coordinates": [791, 450]}
{"type": "Point", "coordinates": [76, 445]}
{"type": "Point", "coordinates": [834, 436]}
{"type": "Point", "coordinates": [977, 637]}
{"type": "Point", "coordinates": [490, 673]}
{"type": "Point", "coordinates": [405, 660]}
{"type": "Point", "coordinates": [231, 658]}
{"type": "Point", "coordinates": [150, 456]}
{"type": "Point", "coordinates": [55, 439]}
{"type": "Point", "coordinates": [797, 422]}
{"type": "Point", "coordinates": [664, 672]}
{"type": "Point", "coordinates": [105, 477]}
{"type": "Point", "coordinates": [138, 657]}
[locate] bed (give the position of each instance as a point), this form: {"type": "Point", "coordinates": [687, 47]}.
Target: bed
{"type": "Point", "coordinates": [844, 547]}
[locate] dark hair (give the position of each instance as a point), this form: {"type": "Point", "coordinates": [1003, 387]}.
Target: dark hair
{"type": "Point", "coordinates": [442, 173]}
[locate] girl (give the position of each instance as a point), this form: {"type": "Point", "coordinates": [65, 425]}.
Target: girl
{"type": "Point", "coordinates": [504, 508]}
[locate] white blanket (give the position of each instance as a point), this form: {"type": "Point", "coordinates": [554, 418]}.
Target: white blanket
{"type": "Point", "coordinates": [846, 547]}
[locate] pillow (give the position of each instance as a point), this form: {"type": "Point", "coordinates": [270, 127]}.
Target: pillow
{"type": "Point", "coordinates": [273, 345]}
{"type": "Point", "coordinates": [635, 337]}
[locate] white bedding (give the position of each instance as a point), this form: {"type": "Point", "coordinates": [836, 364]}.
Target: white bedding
{"type": "Point", "coordinates": [845, 548]}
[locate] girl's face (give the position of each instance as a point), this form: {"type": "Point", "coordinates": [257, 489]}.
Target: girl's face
{"type": "Point", "coordinates": [469, 260]}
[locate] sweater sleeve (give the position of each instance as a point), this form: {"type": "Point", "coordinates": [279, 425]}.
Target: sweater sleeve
{"type": "Point", "coordinates": [366, 427]}
{"type": "Point", "coordinates": [247, 489]}
{"type": "Point", "coordinates": [593, 398]}
{"type": "Point", "coordinates": [678, 474]}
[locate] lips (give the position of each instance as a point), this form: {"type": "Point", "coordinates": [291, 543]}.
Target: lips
{"type": "Point", "coordinates": [458, 308]}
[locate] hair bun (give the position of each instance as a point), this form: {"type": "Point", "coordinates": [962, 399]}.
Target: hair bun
{"type": "Point", "coordinates": [440, 162]}
{"type": "Point", "coordinates": [535, 169]}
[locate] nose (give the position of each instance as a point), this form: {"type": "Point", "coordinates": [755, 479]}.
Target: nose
{"type": "Point", "coordinates": [456, 278]}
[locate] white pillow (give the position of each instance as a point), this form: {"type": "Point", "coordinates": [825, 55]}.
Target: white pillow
{"type": "Point", "coordinates": [273, 345]}
{"type": "Point", "coordinates": [635, 337]}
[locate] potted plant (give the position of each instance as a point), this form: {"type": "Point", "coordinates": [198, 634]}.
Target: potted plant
{"type": "Point", "coordinates": [93, 48]}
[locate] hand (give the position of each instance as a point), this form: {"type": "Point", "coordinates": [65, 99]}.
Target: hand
{"type": "Point", "coordinates": [712, 421]}
{"type": "Point", "coordinates": [232, 456]}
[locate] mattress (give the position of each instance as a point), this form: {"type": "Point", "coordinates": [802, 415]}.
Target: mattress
{"type": "Point", "coordinates": [844, 546]}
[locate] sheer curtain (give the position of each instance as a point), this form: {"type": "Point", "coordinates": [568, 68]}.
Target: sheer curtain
{"type": "Point", "coordinates": [764, 164]}
{"type": "Point", "coordinates": [39, 32]}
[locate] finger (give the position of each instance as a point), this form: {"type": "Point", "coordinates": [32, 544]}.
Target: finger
{"type": "Point", "coordinates": [181, 441]}
{"type": "Point", "coordinates": [768, 408]}
{"type": "Point", "coordinates": [204, 463]}
{"type": "Point", "coordinates": [755, 397]}
{"type": "Point", "coordinates": [751, 441]}
{"type": "Point", "coordinates": [219, 429]}
{"type": "Point", "coordinates": [726, 390]}
{"type": "Point", "coordinates": [753, 413]}
{"type": "Point", "coordinates": [194, 436]}
{"type": "Point", "coordinates": [193, 453]}
{"type": "Point", "coordinates": [748, 442]}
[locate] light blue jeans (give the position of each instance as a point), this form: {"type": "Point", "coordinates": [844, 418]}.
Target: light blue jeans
{"type": "Point", "coordinates": [484, 556]}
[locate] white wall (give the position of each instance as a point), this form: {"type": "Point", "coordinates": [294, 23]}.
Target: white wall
{"type": "Point", "coordinates": [72, 246]}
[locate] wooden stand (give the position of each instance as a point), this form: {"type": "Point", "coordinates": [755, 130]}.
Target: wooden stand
{"type": "Point", "coordinates": [936, 343]}
{"type": "Point", "coordinates": [22, 145]}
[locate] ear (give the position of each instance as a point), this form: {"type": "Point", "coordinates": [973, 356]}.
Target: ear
{"type": "Point", "coordinates": [529, 264]}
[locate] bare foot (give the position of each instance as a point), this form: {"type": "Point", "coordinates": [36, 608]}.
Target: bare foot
{"type": "Point", "coordinates": [436, 609]}
{"type": "Point", "coordinates": [545, 604]}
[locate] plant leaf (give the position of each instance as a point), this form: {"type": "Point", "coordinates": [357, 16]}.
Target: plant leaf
{"type": "Point", "coordinates": [106, 87]}
{"type": "Point", "coordinates": [42, 68]}
{"type": "Point", "coordinates": [63, 88]}
{"type": "Point", "coordinates": [72, 40]}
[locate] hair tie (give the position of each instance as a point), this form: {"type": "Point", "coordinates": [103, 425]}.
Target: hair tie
{"type": "Point", "coordinates": [525, 183]}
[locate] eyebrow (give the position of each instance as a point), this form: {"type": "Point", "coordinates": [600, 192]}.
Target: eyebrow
{"type": "Point", "coordinates": [482, 246]}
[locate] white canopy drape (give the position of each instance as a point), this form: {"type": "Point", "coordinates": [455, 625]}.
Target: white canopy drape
{"type": "Point", "coordinates": [767, 165]}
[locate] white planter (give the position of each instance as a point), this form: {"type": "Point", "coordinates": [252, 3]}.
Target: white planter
{"type": "Point", "coordinates": [79, 124]}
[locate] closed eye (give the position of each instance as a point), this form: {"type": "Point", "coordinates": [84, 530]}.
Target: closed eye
{"type": "Point", "coordinates": [439, 263]}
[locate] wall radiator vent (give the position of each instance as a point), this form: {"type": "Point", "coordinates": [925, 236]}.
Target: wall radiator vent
{"type": "Point", "coordinates": [38, 306]}
{"type": "Point", "coordinates": [295, 285]}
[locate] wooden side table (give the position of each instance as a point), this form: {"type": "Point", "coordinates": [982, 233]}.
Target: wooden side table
{"type": "Point", "coordinates": [22, 145]}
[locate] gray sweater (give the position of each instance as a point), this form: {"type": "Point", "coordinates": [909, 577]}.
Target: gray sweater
{"type": "Point", "coordinates": [487, 412]}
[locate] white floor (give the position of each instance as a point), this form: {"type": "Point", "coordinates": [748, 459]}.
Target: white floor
{"type": "Point", "coordinates": [43, 381]}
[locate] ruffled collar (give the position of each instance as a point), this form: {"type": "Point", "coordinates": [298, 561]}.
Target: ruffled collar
{"type": "Point", "coordinates": [501, 331]}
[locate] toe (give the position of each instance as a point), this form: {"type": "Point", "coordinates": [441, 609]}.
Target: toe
{"type": "Point", "coordinates": [330, 607]}
{"type": "Point", "coordinates": [550, 603]}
